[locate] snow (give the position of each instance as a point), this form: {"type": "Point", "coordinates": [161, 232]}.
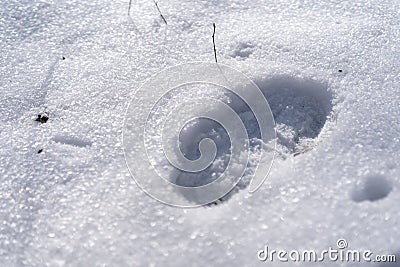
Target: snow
{"type": "Point", "coordinates": [336, 173]}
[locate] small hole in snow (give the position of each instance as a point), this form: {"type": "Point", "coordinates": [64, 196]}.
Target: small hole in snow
{"type": "Point", "coordinates": [72, 141]}
{"type": "Point", "coordinates": [372, 188]}
{"type": "Point", "coordinates": [243, 50]}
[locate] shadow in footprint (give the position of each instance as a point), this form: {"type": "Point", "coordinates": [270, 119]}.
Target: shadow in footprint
{"type": "Point", "coordinates": [200, 129]}
{"type": "Point", "coordinates": [300, 108]}
{"type": "Point", "coordinates": [372, 188]}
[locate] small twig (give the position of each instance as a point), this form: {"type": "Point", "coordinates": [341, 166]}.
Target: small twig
{"type": "Point", "coordinates": [159, 11]}
{"type": "Point", "coordinates": [129, 8]}
{"type": "Point", "coordinates": [215, 50]}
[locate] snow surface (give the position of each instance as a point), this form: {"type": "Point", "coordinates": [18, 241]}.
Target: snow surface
{"type": "Point", "coordinates": [337, 173]}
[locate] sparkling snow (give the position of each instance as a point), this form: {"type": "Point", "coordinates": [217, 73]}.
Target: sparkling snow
{"type": "Point", "coordinates": [329, 69]}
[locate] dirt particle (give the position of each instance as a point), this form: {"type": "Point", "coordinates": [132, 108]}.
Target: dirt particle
{"type": "Point", "coordinates": [42, 118]}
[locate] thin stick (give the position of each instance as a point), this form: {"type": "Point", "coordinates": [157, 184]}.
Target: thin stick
{"type": "Point", "coordinates": [129, 8]}
{"type": "Point", "coordinates": [215, 50]}
{"type": "Point", "coordinates": [159, 11]}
